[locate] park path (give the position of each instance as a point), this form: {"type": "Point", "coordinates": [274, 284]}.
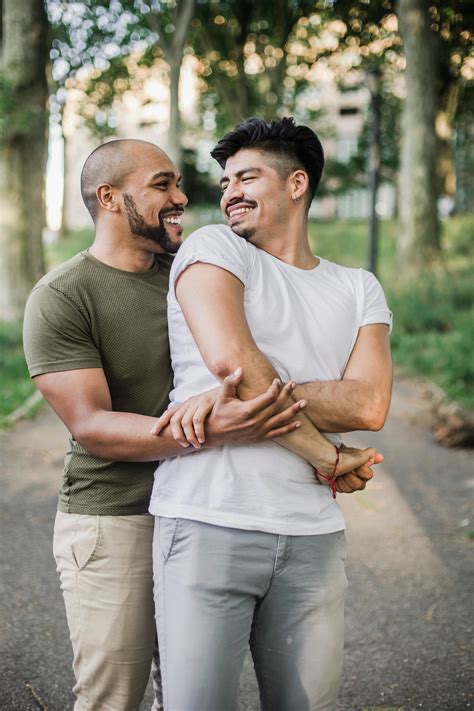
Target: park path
{"type": "Point", "coordinates": [409, 607]}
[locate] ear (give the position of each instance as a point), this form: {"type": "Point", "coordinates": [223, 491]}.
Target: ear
{"type": "Point", "coordinates": [299, 184]}
{"type": "Point", "coordinates": [107, 198]}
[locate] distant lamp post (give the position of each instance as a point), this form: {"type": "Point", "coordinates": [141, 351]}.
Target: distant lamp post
{"type": "Point", "coordinates": [374, 83]}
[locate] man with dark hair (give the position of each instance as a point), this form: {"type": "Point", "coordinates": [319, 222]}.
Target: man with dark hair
{"type": "Point", "coordinates": [96, 342]}
{"type": "Point", "coordinates": [247, 546]}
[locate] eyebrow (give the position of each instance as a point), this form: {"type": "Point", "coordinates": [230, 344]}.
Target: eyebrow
{"type": "Point", "coordinates": [239, 174]}
{"type": "Point", "coordinates": [165, 174]}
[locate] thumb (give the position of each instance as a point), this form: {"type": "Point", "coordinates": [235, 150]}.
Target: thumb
{"type": "Point", "coordinates": [354, 458]}
{"type": "Point", "coordinates": [230, 383]}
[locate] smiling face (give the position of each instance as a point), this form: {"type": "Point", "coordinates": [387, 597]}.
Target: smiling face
{"type": "Point", "coordinates": [255, 199]}
{"type": "Point", "coordinates": [152, 200]}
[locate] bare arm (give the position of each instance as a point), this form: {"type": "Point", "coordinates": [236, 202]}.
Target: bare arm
{"type": "Point", "coordinates": [212, 302]}
{"type": "Point", "coordinates": [81, 398]}
{"type": "Point", "coordinates": [359, 401]}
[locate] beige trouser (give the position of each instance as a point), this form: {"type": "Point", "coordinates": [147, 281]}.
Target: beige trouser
{"type": "Point", "coordinates": [105, 566]}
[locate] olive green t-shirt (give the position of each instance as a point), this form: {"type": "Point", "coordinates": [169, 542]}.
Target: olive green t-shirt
{"type": "Point", "coordinates": [86, 314]}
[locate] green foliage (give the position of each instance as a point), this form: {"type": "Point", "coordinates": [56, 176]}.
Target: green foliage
{"type": "Point", "coordinates": [102, 37]}
{"type": "Point", "coordinates": [15, 383]}
{"type": "Point", "coordinates": [458, 236]}
{"type": "Point", "coordinates": [199, 188]}
{"type": "Point", "coordinates": [346, 242]}
{"type": "Point", "coordinates": [434, 317]}
{"type": "Point", "coordinates": [246, 50]}
{"type": "Point", "coordinates": [69, 245]}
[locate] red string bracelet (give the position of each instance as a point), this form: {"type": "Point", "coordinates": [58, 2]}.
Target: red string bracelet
{"type": "Point", "coordinates": [332, 479]}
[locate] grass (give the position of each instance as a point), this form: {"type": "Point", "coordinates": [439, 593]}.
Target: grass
{"type": "Point", "coordinates": [15, 384]}
{"type": "Point", "coordinates": [433, 331]}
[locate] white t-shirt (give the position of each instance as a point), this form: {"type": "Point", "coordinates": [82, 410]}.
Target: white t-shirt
{"type": "Point", "coordinates": [306, 323]}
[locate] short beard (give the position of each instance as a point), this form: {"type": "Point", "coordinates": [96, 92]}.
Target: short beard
{"type": "Point", "coordinates": [245, 233]}
{"type": "Point", "coordinates": [140, 228]}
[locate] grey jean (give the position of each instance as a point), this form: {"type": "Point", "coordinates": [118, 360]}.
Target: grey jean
{"type": "Point", "coordinates": [218, 589]}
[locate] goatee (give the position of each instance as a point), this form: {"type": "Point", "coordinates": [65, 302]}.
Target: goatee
{"type": "Point", "coordinates": [141, 228]}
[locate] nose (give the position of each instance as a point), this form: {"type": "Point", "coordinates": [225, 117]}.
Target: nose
{"type": "Point", "coordinates": [232, 192]}
{"type": "Point", "coordinates": [179, 198]}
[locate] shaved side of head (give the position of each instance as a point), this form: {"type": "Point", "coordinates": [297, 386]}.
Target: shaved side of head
{"type": "Point", "coordinates": [110, 164]}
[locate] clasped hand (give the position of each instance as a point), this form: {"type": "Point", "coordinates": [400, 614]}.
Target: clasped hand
{"type": "Point", "coordinates": [219, 416]}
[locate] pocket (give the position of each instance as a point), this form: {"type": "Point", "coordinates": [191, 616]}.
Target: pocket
{"type": "Point", "coordinates": [86, 540]}
{"type": "Point", "coordinates": [168, 533]}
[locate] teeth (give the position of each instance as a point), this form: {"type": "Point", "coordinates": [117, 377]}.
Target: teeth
{"type": "Point", "coordinates": [173, 220]}
{"type": "Point", "coordinates": [240, 211]}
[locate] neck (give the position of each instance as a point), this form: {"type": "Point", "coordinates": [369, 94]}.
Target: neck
{"type": "Point", "coordinates": [121, 251]}
{"type": "Point", "coordinates": [289, 243]}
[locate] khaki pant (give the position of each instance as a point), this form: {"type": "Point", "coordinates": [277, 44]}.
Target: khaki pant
{"type": "Point", "coordinates": [105, 566]}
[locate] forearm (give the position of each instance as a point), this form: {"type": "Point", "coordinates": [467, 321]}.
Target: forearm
{"type": "Point", "coordinates": [125, 437]}
{"type": "Point", "coordinates": [360, 400]}
{"type": "Point", "coordinates": [258, 372]}
{"type": "Point", "coordinates": [343, 405]}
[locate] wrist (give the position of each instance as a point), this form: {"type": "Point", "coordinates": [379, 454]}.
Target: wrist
{"type": "Point", "coordinates": [331, 478]}
{"type": "Point", "coordinates": [325, 462]}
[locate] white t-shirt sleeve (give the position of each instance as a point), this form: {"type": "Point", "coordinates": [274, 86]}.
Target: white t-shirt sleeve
{"type": "Point", "coordinates": [374, 309]}
{"type": "Point", "coordinates": [217, 245]}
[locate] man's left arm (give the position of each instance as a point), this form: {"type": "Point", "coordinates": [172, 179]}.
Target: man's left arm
{"type": "Point", "coordinates": [359, 401]}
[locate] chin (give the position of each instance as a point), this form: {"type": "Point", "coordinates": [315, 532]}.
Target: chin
{"type": "Point", "coordinates": [245, 233]}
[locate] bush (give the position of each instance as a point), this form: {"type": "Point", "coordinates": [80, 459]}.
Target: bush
{"type": "Point", "coordinates": [434, 331]}
{"type": "Point", "coordinates": [15, 383]}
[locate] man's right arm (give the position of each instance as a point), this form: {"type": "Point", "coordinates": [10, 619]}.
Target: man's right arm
{"type": "Point", "coordinates": [81, 398]}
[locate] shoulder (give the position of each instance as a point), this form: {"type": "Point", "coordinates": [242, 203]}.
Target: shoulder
{"type": "Point", "coordinates": [360, 279]}
{"type": "Point", "coordinates": [65, 270]}
{"type": "Point", "coordinates": [349, 276]}
{"type": "Point", "coordinates": [217, 236]}
{"type": "Point", "coordinates": [214, 241]}
{"type": "Point", "coordinates": [56, 284]}
{"type": "Point", "coordinates": [216, 245]}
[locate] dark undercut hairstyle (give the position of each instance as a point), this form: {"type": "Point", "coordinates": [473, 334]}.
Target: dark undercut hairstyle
{"type": "Point", "coordinates": [292, 147]}
{"type": "Point", "coordinates": [109, 163]}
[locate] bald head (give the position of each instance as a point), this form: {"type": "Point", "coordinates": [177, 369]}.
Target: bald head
{"type": "Point", "coordinates": [110, 164]}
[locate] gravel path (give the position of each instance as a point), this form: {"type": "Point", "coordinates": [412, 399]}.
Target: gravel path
{"type": "Point", "coordinates": [409, 607]}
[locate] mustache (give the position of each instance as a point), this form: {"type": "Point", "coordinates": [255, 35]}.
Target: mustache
{"type": "Point", "coordinates": [173, 210]}
{"type": "Point", "coordinates": [244, 203]}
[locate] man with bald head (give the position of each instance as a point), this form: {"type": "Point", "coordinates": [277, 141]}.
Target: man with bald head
{"type": "Point", "coordinates": [96, 342]}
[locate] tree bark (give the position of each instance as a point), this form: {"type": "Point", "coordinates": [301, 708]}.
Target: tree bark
{"type": "Point", "coordinates": [418, 214]}
{"type": "Point", "coordinates": [173, 52]}
{"type": "Point", "coordinates": [23, 151]}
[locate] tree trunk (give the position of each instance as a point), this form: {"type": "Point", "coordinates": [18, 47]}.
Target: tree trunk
{"type": "Point", "coordinates": [419, 226]}
{"type": "Point", "coordinates": [23, 151]}
{"type": "Point", "coordinates": [183, 14]}
{"type": "Point", "coordinates": [64, 227]}
{"type": "Point", "coordinates": [174, 143]}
